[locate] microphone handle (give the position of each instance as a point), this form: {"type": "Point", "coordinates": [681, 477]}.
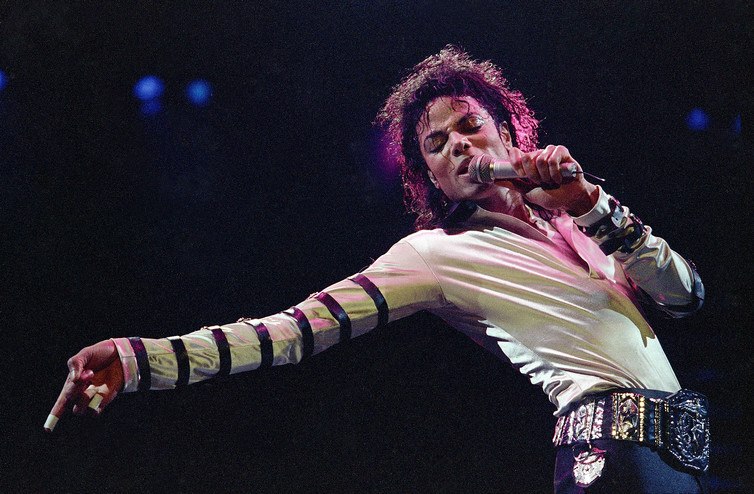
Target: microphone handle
{"type": "Point", "coordinates": [503, 170]}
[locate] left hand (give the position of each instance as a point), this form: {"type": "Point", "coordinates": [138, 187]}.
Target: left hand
{"type": "Point", "coordinates": [95, 370]}
{"type": "Point", "coordinates": [543, 169]}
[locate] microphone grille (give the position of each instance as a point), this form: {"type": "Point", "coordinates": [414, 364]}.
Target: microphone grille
{"type": "Point", "coordinates": [480, 169]}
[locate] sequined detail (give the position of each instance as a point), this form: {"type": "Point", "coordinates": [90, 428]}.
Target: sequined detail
{"type": "Point", "coordinates": [688, 429]}
{"type": "Point", "coordinates": [599, 417]}
{"type": "Point", "coordinates": [588, 465]}
{"type": "Point", "coordinates": [582, 424]}
{"type": "Point", "coordinates": [625, 416]}
{"type": "Point", "coordinates": [580, 431]}
{"type": "Point", "coordinates": [678, 424]}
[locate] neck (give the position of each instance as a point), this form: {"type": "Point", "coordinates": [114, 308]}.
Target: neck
{"type": "Point", "coordinates": [506, 201]}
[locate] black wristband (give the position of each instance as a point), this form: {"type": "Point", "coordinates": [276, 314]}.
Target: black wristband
{"type": "Point", "coordinates": [623, 239]}
{"type": "Point", "coordinates": [634, 232]}
{"type": "Point", "coordinates": [607, 224]}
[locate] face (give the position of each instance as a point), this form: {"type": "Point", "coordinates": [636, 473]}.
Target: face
{"type": "Point", "coordinates": [451, 132]}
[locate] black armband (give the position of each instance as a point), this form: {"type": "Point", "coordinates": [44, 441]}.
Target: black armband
{"type": "Point", "coordinates": [265, 341]}
{"type": "Point", "coordinates": [142, 361]}
{"type": "Point", "coordinates": [608, 224]}
{"type": "Point", "coordinates": [614, 232]}
{"type": "Point", "coordinates": [181, 359]}
{"type": "Point", "coordinates": [307, 337]}
{"type": "Point", "coordinates": [633, 234]}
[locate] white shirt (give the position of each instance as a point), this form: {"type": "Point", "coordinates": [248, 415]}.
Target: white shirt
{"type": "Point", "coordinates": [540, 295]}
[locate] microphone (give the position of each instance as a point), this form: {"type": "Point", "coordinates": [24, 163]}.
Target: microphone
{"type": "Point", "coordinates": [485, 169]}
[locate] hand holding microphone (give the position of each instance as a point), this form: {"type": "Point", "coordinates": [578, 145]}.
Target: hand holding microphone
{"type": "Point", "coordinates": [549, 177]}
{"type": "Point", "coordinates": [485, 169]}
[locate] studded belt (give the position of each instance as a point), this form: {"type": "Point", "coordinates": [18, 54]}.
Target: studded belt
{"type": "Point", "coordinates": [678, 424]}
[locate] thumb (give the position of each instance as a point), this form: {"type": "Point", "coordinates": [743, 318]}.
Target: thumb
{"type": "Point", "coordinates": [76, 366]}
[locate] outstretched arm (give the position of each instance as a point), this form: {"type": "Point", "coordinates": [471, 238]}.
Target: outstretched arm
{"type": "Point", "coordinates": [396, 285]}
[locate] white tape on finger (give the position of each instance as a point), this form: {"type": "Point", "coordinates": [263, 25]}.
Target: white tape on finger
{"type": "Point", "coordinates": [51, 422]}
{"type": "Point", "coordinates": [96, 400]}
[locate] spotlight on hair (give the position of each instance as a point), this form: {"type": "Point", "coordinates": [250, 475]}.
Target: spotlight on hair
{"type": "Point", "coordinates": [199, 92]}
{"type": "Point", "coordinates": [697, 120]}
{"type": "Point", "coordinates": [148, 88]}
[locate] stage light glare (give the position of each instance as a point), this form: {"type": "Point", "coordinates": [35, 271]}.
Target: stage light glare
{"type": "Point", "coordinates": [697, 120]}
{"type": "Point", "coordinates": [148, 88]}
{"type": "Point", "coordinates": [3, 80]}
{"type": "Point", "coordinates": [199, 92]}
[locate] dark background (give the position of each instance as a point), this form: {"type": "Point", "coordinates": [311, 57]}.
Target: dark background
{"type": "Point", "coordinates": [115, 223]}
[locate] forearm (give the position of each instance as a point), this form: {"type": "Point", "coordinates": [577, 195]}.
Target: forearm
{"type": "Point", "coordinates": [209, 352]}
{"type": "Point", "coordinates": [665, 276]}
{"type": "Point", "coordinates": [671, 282]}
{"type": "Point", "coordinates": [396, 285]}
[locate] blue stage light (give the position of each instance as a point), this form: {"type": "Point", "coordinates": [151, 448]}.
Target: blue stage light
{"type": "Point", "coordinates": [199, 92]}
{"type": "Point", "coordinates": [697, 119]}
{"type": "Point", "coordinates": [3, 80]}
{"type": "Point", "coordinates": [148, 88]}
{"type": "Point", "coordinates": [736, 125]}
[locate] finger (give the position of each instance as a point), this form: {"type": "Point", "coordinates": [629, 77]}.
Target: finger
{"type": "Point", "coordinates": [515, 155]}
{"type": "Point", "coordinates": [554, 160]}
{"type": "Point", "coordinates": [81, 402]}
{"type": "Point", "coordinates": [71, 389]}
{"type": "Point", "coordinates": [543, 163]}
{"type": "Point", "coordinates": [77, 363]}
{"type": "Point", "coordinates": [108, 395]}
{"type": "Point", "coordinates": [93, 400]}
{"type": "Point", "coordinates": [94, 405]}
{"type": "Point", "coordinates": [570, 165]}
{"type": "Point", "coordinates": [105, 395]}
{"type": "Point", "coordinates": [530, 167]}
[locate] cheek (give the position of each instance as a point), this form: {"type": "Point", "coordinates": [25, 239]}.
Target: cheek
{"type": "Point", "coordinates": [435, 165]}
{"type": "Point", "coordinates": [492, 139]}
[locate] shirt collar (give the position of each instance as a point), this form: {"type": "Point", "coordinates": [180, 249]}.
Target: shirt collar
{"type": "Point", "coordinates": [468, 214]}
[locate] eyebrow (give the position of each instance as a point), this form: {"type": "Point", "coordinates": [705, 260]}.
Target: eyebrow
{"type": "Point", "coordinates": [437, 133]}
{"type": "Point", "coordinates": [434, 134]}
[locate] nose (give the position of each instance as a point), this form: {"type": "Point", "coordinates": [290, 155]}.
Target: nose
{"type": "Point", "coordinates": [459, 144]}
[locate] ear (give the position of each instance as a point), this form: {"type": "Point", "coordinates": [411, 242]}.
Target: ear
{"type": "Point", "coordinates": [505, 135]}
{"type": "Point", "coordinates": [433, 179]}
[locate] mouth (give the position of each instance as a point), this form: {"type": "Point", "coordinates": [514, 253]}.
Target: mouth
{"type": "Point", "coordinates": [463, 168]}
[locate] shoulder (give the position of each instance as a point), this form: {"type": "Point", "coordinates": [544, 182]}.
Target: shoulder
{"type": "Point", "coordinates": [426, 242]}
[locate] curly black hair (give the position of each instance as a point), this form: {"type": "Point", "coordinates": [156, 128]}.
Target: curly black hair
{"type": "Point", "coordinates": [451, 72]}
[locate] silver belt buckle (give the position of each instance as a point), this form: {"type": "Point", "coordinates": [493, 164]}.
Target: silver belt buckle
{"type": "Point", "coordinates": [688, 429]}
{"type": "Point", "coordinates": [587, 465]}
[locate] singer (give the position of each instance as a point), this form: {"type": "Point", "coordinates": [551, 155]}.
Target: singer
{"type": "Point", "coordinates": [545, 270]}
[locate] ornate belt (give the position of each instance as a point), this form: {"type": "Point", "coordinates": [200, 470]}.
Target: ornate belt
{"type": "Point", "coordinates": [678, 424]}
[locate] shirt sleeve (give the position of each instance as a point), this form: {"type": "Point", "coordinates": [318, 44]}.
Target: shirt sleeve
{"type": "Point", "coordinates": [396, 285]}
{"type": "Point", "coordinates": [663, 278]}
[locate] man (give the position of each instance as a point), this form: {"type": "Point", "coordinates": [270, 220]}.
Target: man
{"type": "Point", "coordinates": [546, 271]}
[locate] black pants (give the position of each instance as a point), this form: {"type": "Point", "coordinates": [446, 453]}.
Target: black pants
{"type": "Point", "coordinates": [629, 468]}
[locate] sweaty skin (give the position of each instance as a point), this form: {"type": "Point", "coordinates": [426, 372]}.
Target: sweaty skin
{"type": "Point", "coordinates": [453, 130]}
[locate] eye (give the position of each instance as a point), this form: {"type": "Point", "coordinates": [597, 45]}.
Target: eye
{"type": "Point", "coordinates": [472, 123]}
{"type": "Point", "coordinates": [434, 144]}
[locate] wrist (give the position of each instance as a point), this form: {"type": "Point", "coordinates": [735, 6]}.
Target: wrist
{"type": "Point", "coordinates": [584, 200]}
